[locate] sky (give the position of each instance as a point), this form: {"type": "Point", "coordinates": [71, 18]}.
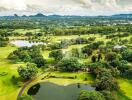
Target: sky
{"type": "Point", "coordinates": [65, 7]}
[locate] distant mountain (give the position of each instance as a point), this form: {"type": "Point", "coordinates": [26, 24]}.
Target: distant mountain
{"type": "Point", "coordinates": [24, 16]}
{"type": "Point", "coordinates": [15, 15]}
{"type": "Point", "coordinates": [122, 15]}
{"type": "Point", "coordinates": [38, 15]}
{"type": "Point", "coordinates": [55, 16]}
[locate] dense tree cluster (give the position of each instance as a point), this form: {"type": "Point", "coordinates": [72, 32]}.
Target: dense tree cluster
{"type": "Point", "coordinates": [28, 54]}
{"type": "Point", "coordinates": [69, 65]}
{"type": "Point", "coordinates": [88, 49]}
{"type": "Point", "coordinates": [105, 79]}
{"type": "Point", "coordinates": [90, 95]}
{"type": "Point", "coordinates": [127, 55]}
{"type": "Point", "coordinates": [4, 41]}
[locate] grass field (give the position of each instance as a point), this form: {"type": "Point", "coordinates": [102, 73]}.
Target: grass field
{"type": "Point", "coordinates": [23, 31]}
{"type": "Point", "coordinates": [7, 89]}
{"type": "Point", "coordinates": [126, 87]}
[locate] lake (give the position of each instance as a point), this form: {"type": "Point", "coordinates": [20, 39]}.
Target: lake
{"type": "Point", "coordinates": [51, 91]}
{"type": "Point", "coordinates": [22, 43]}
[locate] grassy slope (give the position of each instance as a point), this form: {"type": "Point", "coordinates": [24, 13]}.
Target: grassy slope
{"type": "Point", "coordinates": [80, 78]}
{"type": "Point", "coordinates": [6, 87]}
{"type": "Point", "coordinates": [126, 87]}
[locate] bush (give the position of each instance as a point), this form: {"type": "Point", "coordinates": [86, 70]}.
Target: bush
{"type": "Point", "coordinates": [106, 83]}
{"type": "Point", "coordinates": [128, 73]}
{"type": "Point", "coordinates": [90, 95]}
{"type": "Point", "coordinates": [4, 41]}
{"type": "Point", "coordinates": [111, 56]}
{"type": "Point", "coordinates": [57, 54]}
{"type": "Point", "coordinates": [108, 95]}
{"type": "Point", "coordinates": [127, 55]}
{"type": "Point", "coordinates": [39, 61]}
{"type": "Point", "coordinates": [105, 79]}
{"type": "Point", "coordinates": [87, 50]}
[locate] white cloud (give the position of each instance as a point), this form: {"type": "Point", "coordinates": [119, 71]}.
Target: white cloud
{"type": "Point", "coordinates": [75, 7]}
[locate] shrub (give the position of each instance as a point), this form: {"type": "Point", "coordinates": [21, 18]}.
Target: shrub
{"type": "Point", "coordinates": [90, 95]}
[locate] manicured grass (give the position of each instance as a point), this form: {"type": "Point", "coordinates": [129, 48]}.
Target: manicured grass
{"type": "Point", "coordinates": [6, 86]}
{"type": "Point", "coordinates": [23, 31]}
{"type": "Point", "coordinates": [126, 87]}
{"type": "Point", "coordinates": [121, 96]}
{"type": "Point", "coordinates": [80, 77]}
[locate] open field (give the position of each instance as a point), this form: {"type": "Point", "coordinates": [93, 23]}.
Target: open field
{"type": "Point", "coordinates": [7, 89]}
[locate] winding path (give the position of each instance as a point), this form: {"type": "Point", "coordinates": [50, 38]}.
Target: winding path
{"type": "Point", "coordinates": [27, 83]}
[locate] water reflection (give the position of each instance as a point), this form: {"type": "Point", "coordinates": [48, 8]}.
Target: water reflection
{"type": "Point", "coordinates": [51, 91]}
{"type": "Point", "coordinates": [22, 43]}
{"type": "Point", "coordinates": [34, 89]}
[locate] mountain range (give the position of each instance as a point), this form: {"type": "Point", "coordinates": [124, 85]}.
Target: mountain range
{"type": "Point", "coordinates": [40, 15]}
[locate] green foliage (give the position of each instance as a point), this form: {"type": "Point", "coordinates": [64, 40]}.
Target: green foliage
{"type": "Point", "coordinates": [90, 95]}
{"type": "Point", "coordinates": [57, 55]}
{"type": "Point", "coordinates": [127, 55]}
{"type": "Point", "coordinates": [28, 54]}
{"type": "Point", "coordinates": [128, 73]}
{"type": "Point", "coordinates": [110, 56]}
{"type": "Point", "coordinates": [106, 83]}
{"type": "Point", "coordinates": [25, 97]}
{"type": "Point", "coordinates": [28, 71]}
{"type": "Point", "coordinates": [96, 45]}
{"type": "Point", "coordinates": [93, 58]}
{"type": "Point", "coordinates": [105, 80]}
{"type": "Point", "coordinates": [4, 41]}
{"type": "Point", "coordinates": [69, 65]}
{"type": "Point", "coordinates": [14, 80]}
{"type": "Point", "coordinates": [87, 50]}
{"type": "Point", "coordinates": [28, 34]}
{"type": "Point", "coordinates": [39, 61]}
{"type": "Point", "coordinates": [75, 52]}
{"type": "Point", "coordinates": [108, 95]}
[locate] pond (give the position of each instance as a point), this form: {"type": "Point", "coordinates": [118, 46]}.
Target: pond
{"type": "Point", "coordinates": [22, 43]}
{"type": "Point", "coordinates": [51, 91]}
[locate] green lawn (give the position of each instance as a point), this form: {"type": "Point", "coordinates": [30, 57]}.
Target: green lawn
{"type": "Point", "coordinates": [126, 87]}
{"type": "Point", "coordinates": [121, 96]}
{"type": "Point", "coordinates": [80, 78]}
{"type": "Point", "coordinates": [23, 31]}
{"type": "Point", "coordinates": [6, 87]}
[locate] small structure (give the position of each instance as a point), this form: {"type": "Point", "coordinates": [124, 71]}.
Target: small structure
{"type": "Point", "coordinates": [119, 47]}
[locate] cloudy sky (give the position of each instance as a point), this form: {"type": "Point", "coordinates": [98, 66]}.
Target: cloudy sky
{"type": "Point", "coordinates": [65, 7]}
